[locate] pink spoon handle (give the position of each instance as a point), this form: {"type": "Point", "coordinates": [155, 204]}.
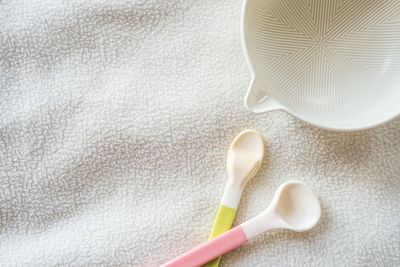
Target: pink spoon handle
{"type": "Point", "coordinates": [211, 249]}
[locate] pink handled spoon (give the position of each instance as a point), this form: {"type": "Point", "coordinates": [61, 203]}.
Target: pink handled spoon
{"type": "Point", "coordinates": [293, 207]}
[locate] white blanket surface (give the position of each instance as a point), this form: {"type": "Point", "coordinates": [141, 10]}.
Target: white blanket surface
{"type": "Point", "coordinates": [115, 122]}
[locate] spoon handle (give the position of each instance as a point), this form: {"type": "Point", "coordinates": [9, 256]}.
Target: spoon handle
{"type": "Point", "coordinates": [222, 223]}
{"type": "Point", "coordinates": [211, 249]}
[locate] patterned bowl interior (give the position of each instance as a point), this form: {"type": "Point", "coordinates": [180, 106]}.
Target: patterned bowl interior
{"type": "Point", "coordinates": [333, 62]}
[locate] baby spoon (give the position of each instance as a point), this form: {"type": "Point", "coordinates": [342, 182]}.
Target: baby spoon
{"type": "Point", "coordinates": [293, 207]}
{"type": "Point", "coordinates": [244, 159]}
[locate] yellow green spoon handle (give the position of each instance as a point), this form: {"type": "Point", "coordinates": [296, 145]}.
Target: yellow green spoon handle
{"type": "Point", "coordinates": [222, 223]}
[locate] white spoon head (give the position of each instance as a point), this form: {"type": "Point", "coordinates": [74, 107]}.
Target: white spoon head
{"type": "Point", "coordinates": [245, 156]}
{"type": "Point", "coordinates": [297, 206]}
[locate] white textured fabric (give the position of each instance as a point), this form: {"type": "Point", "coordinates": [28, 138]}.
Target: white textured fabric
{"type": "Point", "coordinates": [115, 121]}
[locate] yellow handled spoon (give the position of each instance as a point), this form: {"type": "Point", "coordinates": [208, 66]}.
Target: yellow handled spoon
{"type": "Point", "coordinates": [244, 159]}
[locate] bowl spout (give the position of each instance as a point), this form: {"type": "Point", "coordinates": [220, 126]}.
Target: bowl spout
{"type": "Point", "coordinates": [257, 101]}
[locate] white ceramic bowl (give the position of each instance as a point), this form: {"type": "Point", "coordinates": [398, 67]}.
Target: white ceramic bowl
{"type": "Point", "coordinates": [334, 64]}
